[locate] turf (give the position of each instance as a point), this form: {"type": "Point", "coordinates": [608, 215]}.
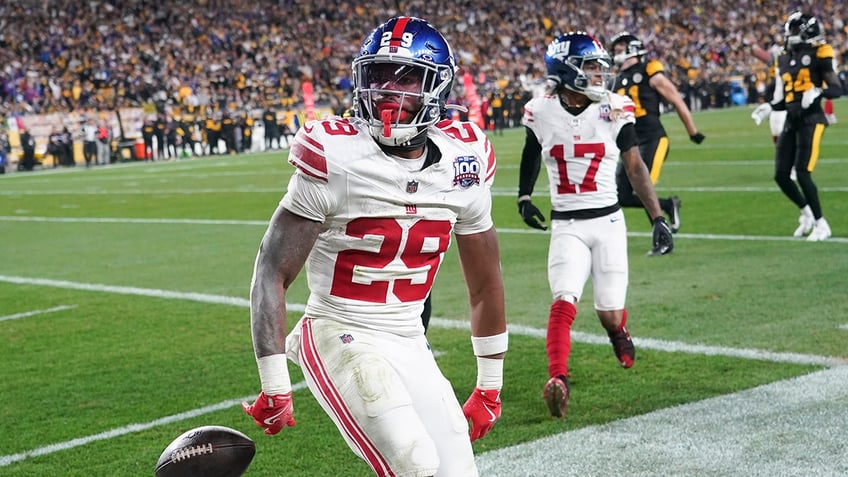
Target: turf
{"type": "Point", "coordinates": [100, 248]}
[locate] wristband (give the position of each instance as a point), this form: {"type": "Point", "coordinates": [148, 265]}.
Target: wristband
{"type": "Point", "coordinates": [489, 373]}
{"type": "Point", "coordinates": [489, 345]}
{"type": "Point", "coordinates": [523, 198]}
{"type": "Point", "coordinates": [274, 374]}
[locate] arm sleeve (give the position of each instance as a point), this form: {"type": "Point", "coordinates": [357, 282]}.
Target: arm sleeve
{"type": "Point", "coordinates": [777, 102]}
{"type": "Point", "coordinates": [627, 137]}
{"type": "Point", "coordinates": [530, 163]}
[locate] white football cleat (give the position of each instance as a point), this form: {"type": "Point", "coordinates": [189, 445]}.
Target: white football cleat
{"type": "Point", "coordinates": [806, 222]}
{"type": "Point", "coordinates": [820, 232]}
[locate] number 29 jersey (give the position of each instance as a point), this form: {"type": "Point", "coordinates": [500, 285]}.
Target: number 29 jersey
{"type": "Point", "coordinates": [579, 150]}
{"type": "Point", "coordinates": [385, 228]}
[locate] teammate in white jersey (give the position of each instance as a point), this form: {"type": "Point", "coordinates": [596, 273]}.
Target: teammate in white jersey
{"type": "Point", "coordinates": [369, 211]}
{"type": "Point", "coordinates": [580, 131]}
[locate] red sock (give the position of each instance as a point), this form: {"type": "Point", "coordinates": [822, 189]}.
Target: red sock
{"type": "Point", "coordinates": [623, 321]}
{"type": "Point", "coordinates": [558, 341]}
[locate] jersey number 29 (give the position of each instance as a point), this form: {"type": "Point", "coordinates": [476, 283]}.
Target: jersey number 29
{"type": "Point", "coordinates": [412, 255]}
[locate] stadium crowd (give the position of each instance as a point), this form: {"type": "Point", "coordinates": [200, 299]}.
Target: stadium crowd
{"type": "Point", "coordinates": [235, 56]}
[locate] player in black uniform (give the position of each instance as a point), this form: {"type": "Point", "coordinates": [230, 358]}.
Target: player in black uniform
{"type": "Point", "coordinates": [645, 83]}
{"type": "Point", "coordinates": [805, 74]}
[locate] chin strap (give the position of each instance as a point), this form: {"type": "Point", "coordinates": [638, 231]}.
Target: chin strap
{"type": "Point", "coordinates": [457, 107]}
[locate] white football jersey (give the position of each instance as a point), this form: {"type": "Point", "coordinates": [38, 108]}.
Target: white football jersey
{"type": "Point", "coordinates": [385, 228]}
{"type": "Point", "coordinates": [580, 152]}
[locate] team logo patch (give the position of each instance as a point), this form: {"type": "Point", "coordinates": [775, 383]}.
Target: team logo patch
{"type": "Point", "coordinates": [346, 338]}
{"type": "Point", "coordinates": [637, 78]}
{"type": "Point", "coordinates": [411, 187]}
{"type": "Point", "coordinates": [466, 171]}
{"type": "Point", "coordinates": [605, 111]}
{"type": "Point", "coordinates": [806, 60]}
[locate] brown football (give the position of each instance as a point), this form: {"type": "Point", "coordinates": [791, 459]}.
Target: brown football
{"type": "Point", "coordinates": [208, 451]}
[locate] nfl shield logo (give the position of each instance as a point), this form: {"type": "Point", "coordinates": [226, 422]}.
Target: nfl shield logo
{"type": "Point", "coordinates": [411, 187]}
{"type": "Point", "coordinates": [346, 338]}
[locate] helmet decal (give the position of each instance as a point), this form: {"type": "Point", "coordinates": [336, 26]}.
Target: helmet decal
{"type": "Point", "coordinates": [566, 59]}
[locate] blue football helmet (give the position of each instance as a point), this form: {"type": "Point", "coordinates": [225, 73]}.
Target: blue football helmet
{"type": "Point", "coordinates": [802, 29]}
{"type": "Point", "coordinates": [405, 59]}
{"type": "Point", "coordinates": [566, 59]}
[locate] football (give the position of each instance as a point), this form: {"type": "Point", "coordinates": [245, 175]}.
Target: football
{"type": "Point", "coordinates": [208, 451]}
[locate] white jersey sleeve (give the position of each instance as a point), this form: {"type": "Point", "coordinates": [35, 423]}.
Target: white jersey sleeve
{"type": "Point", "coordinates": [580, 150]}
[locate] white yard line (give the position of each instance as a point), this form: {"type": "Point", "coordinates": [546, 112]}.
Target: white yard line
{"type": "Point", "coordinates": [789, 428]}
{"type": "Point", "coordinates": [263, 223]}
{"type": "Point", "coordinates": [120, 431]}
{"type": "Point", "coordinates": [496, 191]}
{"type": "Point", "coordinates": [26, 314]}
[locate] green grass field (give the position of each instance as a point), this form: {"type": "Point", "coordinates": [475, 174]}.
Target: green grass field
{"type": "Point", "coordinates": [124, 323]}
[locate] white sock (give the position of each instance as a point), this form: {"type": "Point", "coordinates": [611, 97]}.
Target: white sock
{"type": "Point", "coordinates": [807, 211]}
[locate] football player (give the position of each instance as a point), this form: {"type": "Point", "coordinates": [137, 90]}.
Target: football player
{"type": "Point", "coordinates": [580, 131]}
{"type": "Point", "coordinates": [370, 211]}
{"type": "Point", "coordinates": [805, 75]}
{"type": "Point", "coordinates": [777, 119]}
{"type": "Point", "coordinates": [645, 82]}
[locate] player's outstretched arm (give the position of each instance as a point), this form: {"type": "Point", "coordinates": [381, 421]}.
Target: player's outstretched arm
{"type": "Point", "coordinates": [669, 92]}
{"type": "Point", "coordinates": [480, 258]}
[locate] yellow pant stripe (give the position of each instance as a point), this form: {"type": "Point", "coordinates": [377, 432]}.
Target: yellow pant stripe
{"type": "Point", "coordinates": [659, 159]}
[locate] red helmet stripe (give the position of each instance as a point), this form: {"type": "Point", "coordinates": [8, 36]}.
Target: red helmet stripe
{"type": "Point", "coordinates": [397, 31]}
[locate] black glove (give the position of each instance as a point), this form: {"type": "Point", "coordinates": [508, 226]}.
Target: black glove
{"type": "Point", "coordinates": [697, 138]}
{"type": "Point", "coordinates": [530, 213]}
{"type": "Point", "coordinates": [663, 243]}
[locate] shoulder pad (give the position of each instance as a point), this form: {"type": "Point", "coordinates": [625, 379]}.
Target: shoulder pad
{"type": "Point", "coordinates": [470, 133]}
{"type": "Point", "coordinates": [307, 151]}
{"type": "Point", "coordinates": [621, 107]}
{"type": "Point", "coordinates": [653, 67]}
{"type": "Point", "coordinates": [824, 51]}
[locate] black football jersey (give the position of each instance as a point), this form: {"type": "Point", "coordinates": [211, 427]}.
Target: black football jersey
{"type": "Point", "coordinates": [801, 70]}
{"type": "Point", "coordinates": [633, 82]}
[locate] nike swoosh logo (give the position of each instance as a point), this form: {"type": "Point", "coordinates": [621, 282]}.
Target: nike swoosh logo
{"type": "Point", "coordinates": [615, 219]}
{"type": "Point", "coordinates": [494, 418]}
{"type": "Point", "coordinates": [271, 419]}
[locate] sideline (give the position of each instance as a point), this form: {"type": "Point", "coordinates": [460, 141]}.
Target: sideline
{"type": "Point", "coordinates": [788, 428]}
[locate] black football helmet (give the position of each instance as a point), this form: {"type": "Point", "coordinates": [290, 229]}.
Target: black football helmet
{"type": "Point", "coordinates": [802, 29]}
{"type": "Point", "coordinates": [404, 49]}
{"type": "Point", "coordinates": [566, 58]}
{"type": "Point", "coordinates": [633, 47]}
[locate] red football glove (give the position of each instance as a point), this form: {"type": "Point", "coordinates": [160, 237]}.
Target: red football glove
{"type": "Point", "coordinates": [483, 408]}
{"type": "Point", "coordinates": [271, 412]}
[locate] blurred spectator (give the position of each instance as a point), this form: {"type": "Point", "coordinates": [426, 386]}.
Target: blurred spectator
{"type": "Point", "coordinates": [104, 144]}
{"type": "Point", "coordinates": [89, 142]}
{"type": "Point", "coordinates": [28, 147]}
{"type": "Point", "coordinates": [101, 55]}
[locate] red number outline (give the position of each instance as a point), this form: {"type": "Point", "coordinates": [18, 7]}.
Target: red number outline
{"type": "Point", "coordinates": [411, 255]}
